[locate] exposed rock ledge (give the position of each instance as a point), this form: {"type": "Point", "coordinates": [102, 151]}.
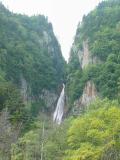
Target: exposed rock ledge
{"type": "Point", "coordinates": [85, 57]}
{"type": "Point", "coordinates": [89, 93]}
{"type": "Point", "coordinates": [88, 96]}
{"type": "Point", "coordinates": [49, 97]}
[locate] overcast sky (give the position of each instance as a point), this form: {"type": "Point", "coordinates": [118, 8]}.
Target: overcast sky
{"type": "Point", "coordinates": [64, 15]}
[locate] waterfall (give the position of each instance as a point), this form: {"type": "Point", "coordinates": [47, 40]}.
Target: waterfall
{"type": "Point", "coordinates": [58, 114]}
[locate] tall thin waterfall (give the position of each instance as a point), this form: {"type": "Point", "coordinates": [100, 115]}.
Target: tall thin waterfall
{"type": "Point", "coordinates": [58, 114]}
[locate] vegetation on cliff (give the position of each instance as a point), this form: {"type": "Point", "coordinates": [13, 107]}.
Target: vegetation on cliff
{"type": "Point", "coordinates": [101, 29]}
{"type": "Point", "coordinates": [30, 60]}
{"type": "Point", "coordinates": [93, 135]}
{"type": "Point", "coordinates": [30, 56]}
{"type": "Point", "coordinates": [31, 63]}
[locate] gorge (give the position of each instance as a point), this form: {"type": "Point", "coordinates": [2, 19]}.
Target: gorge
{"type": "Point", "coordinates": [53, 110]}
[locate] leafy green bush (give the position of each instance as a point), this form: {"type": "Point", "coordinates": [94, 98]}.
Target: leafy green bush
{"type": "Point", "coordinates": [95, 135]}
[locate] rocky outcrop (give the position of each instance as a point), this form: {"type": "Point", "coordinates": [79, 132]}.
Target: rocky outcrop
{"type": "Point", "coordinates": [88, 96]}
{"type": "Point", "coordinates": [49, 98]}
{"type": "Point", "coordinates": [89, 92]}
{"type": "Point", "coordinates": [86, 59]}
{"type": "Point", "coordinates": [24, 88]}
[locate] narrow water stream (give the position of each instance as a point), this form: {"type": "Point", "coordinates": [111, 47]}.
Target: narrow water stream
{"type": "Point", "coordinates": [58, 114]}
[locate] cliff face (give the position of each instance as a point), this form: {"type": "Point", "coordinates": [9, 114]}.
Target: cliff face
{"type": "Point", "coordinates": [30, 56]}
{"type": "Point", "coordinates": [94, 62]}
{"type": "Point", "coordinates": [24, 89]}
{"type": "Point", "coordinates": [86, 59]}
{"type": "Point", "coordinates": [31, 71]}
{"type": "Point", "coordinates": [50, 99]}
{"type": "Point", "coordinates": [89, 92]}
{"type": "Point", "coordinates": [89, 95]}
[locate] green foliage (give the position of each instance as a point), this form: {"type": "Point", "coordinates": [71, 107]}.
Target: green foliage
{"type": "Point", "coordinates": [55, 144]}
{"type": "Point", "coordinates": [11, 99]}
{"type": "Point", "coordinates": [30, 61]}
{"type": "Point", "coordinates": [106, 42]}
{"type": "Point", "coordinates": [95, 135]}
{"type": "Point", "coordinates": [101, 28]}
{"type": "Point", "coordinates": [29, 146]}
{"type": "Point", "coordinates": [75, 85]}
{"type": "Point", "coordinates": [29, 48]}
{"type": "Point", "coordinates": [29, 51]}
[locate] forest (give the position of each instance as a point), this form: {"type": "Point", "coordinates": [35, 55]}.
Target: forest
{"type": "Point", "coordinates": [32, 72]}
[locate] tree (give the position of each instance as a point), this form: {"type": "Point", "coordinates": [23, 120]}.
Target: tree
{"type": "Point", "coordinates": [95, 135]}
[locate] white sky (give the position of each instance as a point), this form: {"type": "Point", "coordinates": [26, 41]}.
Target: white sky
{"type": "Point", "coordinates": [64, 15]}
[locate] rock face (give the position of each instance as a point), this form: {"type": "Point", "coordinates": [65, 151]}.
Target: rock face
{"type": "Point", "coordinates": [36, 59]}
{"type": "Point", "coordinates": [89, 95]}
{"type": "Point", "coordinates": [89, 92]}
{"type": "Point", "coordinates": [24, 89]}
{"type": "Point", "coordinates": [49, 98]}
{"type": "Point", "coordinates": [86, 59]}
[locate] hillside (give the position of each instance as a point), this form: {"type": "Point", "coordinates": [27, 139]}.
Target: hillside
{"type": "Point", "coordinates": [94, 63]}
{"type": "Point", "coordinates": [30, 60]}
{"type": "Point", "coordinates": [32, 73]}
{"type": "Point", "coordinates": [30, 55]}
